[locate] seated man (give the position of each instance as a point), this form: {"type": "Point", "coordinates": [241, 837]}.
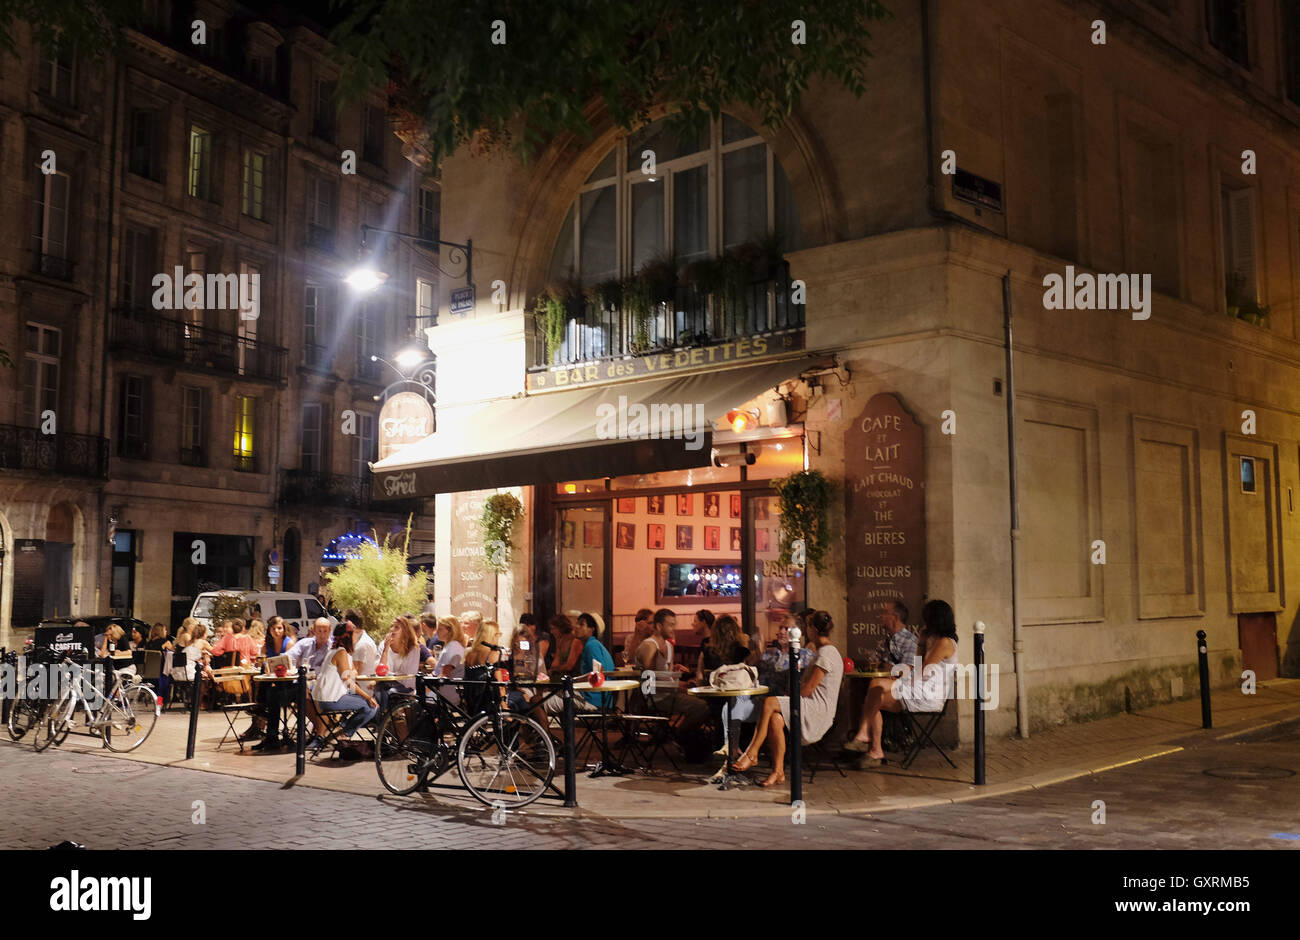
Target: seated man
{"type": "Point", "coordinates": [237, 641]}
{"type": "Point", "coordinates": [310, 654]}
{"type": "Point", "coordinates": [593, 651]}
{"type": "Point", "coordinates": [656, 654]}
{"type": "Point", "coordinates": [899, 642]}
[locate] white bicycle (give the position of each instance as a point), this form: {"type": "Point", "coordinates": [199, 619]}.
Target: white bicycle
{"type": "Point", "coordinates": [124, 717]}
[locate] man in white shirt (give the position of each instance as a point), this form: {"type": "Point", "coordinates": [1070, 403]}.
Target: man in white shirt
{"type": "Point", "coordinates": [365, 654]}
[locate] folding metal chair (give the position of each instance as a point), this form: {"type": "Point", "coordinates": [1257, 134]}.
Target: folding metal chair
{"type": "Point", "coordinates": [236, 685]}
{"type": "Point", "coordinates": [648, 729]}
{"type": "Point", "coordinates": [921, 733]}
{"type": "Point", "coordinates": [818, 753]}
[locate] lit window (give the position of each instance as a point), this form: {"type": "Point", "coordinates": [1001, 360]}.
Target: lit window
{"type": "Point", "coordinates": [200, 165]}
{"type": "Point", "coordinates": [253, 184]}
{"type": "Point", "coordinates": [245, 431]}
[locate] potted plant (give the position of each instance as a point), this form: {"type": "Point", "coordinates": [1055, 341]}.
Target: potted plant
{"type": "Point", "coordinates": [500, 513]}
{"type": "Point", "coordinates": [804, 503]}
{"type": "Point", "coordinates": [378, 583]}
{"type": "Point", "coordinates": [556, 306]}
{"type": "Point", "coordinates": [1242, 305]}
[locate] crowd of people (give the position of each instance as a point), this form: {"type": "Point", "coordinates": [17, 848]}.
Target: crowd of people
{"type": "Point", "coordinates": [571, 644]}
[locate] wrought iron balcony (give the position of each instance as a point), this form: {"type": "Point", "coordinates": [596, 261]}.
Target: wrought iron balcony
{"type": "Point", "coordinates": [137, 333]}
{"type": "Point", "coordinates": [71, 455]}
{"type": "Point", "coordinates": [306, 488]}
{"type": "Point", "coordinates": [597, 330]}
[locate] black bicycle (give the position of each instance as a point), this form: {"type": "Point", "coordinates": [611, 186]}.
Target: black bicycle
{"type": "Point", "coordinates": [26, 712]}
{"type": "Point", "coordinates": [503, 758]}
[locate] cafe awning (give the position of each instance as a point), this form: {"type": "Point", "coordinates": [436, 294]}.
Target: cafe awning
{"type": "Point", "coordinates": [576, 434]}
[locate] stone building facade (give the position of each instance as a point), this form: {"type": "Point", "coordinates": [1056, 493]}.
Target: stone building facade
{"type": "Point", "coordinates": [1157, 442]}
{"type": "Point", "coordinates": [217, 444]}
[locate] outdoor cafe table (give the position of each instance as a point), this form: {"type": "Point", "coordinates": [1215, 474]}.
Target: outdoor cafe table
{"type": "Point", "coordinates": [729, 776]}
{"type": "Point", "coordinates": [606, 764]}
{"type": "Point", "coordinates": [273, 719]}
{"type": "Point", "coordinates": [855, 700]}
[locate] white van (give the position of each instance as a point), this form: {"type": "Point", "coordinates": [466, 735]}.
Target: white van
{"type": "Point", "coordinates": [298, 610]}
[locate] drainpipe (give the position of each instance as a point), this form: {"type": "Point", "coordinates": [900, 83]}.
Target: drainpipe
{"type": "Point", "coordinates": [118, 67]}
{"type": "Point", "coordinates": [1017, 628]}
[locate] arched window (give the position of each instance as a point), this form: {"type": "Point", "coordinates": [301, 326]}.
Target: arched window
{"type": "Point", "coordinates": [657, 196]}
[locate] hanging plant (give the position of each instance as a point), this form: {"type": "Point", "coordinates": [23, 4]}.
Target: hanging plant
{"type": "Point", "coordinates": [636, 303]}
{"type": "Point", "coordinates": [552, 316]}
{"type": "Point", "coordinates": [500, 513]}
{"type": "Point", "coordinates": [805, 500]}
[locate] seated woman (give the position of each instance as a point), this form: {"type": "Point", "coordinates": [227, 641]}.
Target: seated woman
{"type": "Point", "coordinates": [728, 646]}
{"type": "Point", "coordinates": [485, 651]}
{"type": "Point", "coordinates": [451, 661]}
{"type": "Point", "coordinates": [336, 690]}
{"type": "Point", "coordinates": [400, 652]}
{"type": "Point", "coordinates": [112, 640]}
{"type": "Point", "coordinates": [568, 648]}
{"type": "Point", "coordinates": [923, 693]}
{"type": "Point", "coordinates": [278, 640]}
{"type": "Point", "coordinates": [819, 693]}
{"type": "Point", "coordinates": [774, 665]}
{"type": "Point", "coordinates": [257, 634]}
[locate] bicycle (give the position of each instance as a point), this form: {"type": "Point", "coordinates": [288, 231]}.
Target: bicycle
{"type": "Point", "coordinates": [503, 758]}
{"type": "Point", "coordinates": [25, 712]}
{"type": "Point", "coordinates": [124, 718]}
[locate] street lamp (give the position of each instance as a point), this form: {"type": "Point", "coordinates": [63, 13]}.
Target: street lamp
{"type": "Point", "coordinates": [364, 279]}
{"type": "Point", "coordinates": [367, 277]}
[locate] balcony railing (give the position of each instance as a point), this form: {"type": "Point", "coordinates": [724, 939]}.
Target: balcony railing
{"type": "Point", "coordinates": [695, 318]}
{"type": "Point", "coordinates": [72, 455]}
{"type": "Point", "coordinates": [173, 340]}
{"type": "Point", "coordinates": [54, 266]}
{"type": "Point", "coordinates": [306, 488]}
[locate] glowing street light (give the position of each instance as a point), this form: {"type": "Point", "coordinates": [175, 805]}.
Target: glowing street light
{"type": "Point", "coordinates": [365, 279]}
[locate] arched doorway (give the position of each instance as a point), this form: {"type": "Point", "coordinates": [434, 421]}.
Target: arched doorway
{"type": "Point", "coordinates": [292, 570]}
{"type": "Point", "coordinates": [59, 544]}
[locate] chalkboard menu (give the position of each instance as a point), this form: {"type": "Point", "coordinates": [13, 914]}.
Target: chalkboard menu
{"type": "Point", "coordinates": [473, 583]}
{"type": "Point", "coordinates": [884, 493]}
{"type": "Point", "coordinates": [65, 639]}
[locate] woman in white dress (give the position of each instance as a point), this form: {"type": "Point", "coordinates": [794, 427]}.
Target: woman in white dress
{"type": "Point", "coordinates": [819, 692]}
{"type": "Point", "coordinates": [916, 693]}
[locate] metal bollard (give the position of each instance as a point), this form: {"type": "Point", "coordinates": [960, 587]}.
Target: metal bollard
{"type": "Point", "coordinates": [301, 763]}
{"type": "Point", "coordinates": [795, 736]}
{"type": "Point", "coordinates": [980, 697]}
{"type": "Point", "coordinates": [570, 771]}
{"type": "Point", "coordinates": [196, 695]}
{"type": "Point", "coordinates": [1203, 655]}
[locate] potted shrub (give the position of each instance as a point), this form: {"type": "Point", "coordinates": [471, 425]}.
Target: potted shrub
{"type": "Point", "coordinates": [804, 504]}
{"type": "Point", "coordinates": [500, 513]}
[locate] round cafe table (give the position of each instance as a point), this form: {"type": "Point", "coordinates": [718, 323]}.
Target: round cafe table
{"type": "Point", "coordinates": [273, 719]}
{"type": "Point", "coordinates": [729, 777]}
{"type": "Point", "coordinates": [606, 764]}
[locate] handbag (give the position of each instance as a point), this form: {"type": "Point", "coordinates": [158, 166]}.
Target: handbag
{"type": "Point", "coordinates": [730, 678]}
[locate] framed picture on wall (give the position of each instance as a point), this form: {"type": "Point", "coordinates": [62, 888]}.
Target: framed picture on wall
{"type": "Point", "coordinates": [626, 536]}
{"type": "Point", "coordinates": [654, 505]}
{"type": "Point", "coordinates": [761, 540]}
{"type": "Point", "coordinates": [654, 535]}
{"type": "Point", "coordinates": [685, 504]}
{"type": "Point", "coordinates": [568, 533]}
{"type": "Point", "coordinates": [760, 508]}
{"type": "Point", "coordinates": [712, 504]}
{"type": "Point", "coordinates": [735, 538]}
{"type": "Point", "coordinates": [735, 505]}
{"type": "Point", "coordinates": [591, 534]}
{"type": "Point", "coordinates": [685, 538]}
{"type": "Point", "coordinates": [626, 505]}
{"type": "Point", "coordinates": [712, 537]}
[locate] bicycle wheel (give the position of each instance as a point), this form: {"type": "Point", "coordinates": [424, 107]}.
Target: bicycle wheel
{"type": "Point", "coordinates": [406, 747]}
{"type": "Point", "coordinates": [128, 717]}
{"type": "Point", "coordinates": [23, 717]}
{"type": "Point", "coordinates": [505, 759]}
{"type": "Point", "coordinates": [43, 731]}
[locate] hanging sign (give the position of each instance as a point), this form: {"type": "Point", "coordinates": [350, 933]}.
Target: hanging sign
{"type": "Point", "coordinates": [407, 417]}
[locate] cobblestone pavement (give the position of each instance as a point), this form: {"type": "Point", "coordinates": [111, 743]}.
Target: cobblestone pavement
{"type": "Point", "coordinates": [1169, 802]}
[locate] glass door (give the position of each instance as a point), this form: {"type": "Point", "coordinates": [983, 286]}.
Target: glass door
{"type": "Point", "coordinates": [581, 562]}
{"type": "Point", "coordinates": [778, 589]}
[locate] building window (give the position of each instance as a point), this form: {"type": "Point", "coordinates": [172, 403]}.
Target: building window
{"type": "Point", "coordinates": [1238, 208]}
{"type": "Point", "coordinates": [368, 320]}
{"type": "Point", "coordinates": [51, 229]}
{"type": "Point", "coordinates": [707, 194]}
{"type": "Point", "coordinates": [315, 340]}
{"type": "Point", "coordinates": [192, 428]}
{"type": "Point", "coordinates": [324, 111]}
{"type": "Point", "coordinates": [321, 202]}
{"type": "Point", "coordinates": [198, 264]}
{"type": "Point", "coordinates": [145, 159]}
{"type": "Point", "coordinates": [245, 432]}
{"type": "Point", "coordinates": [200, 165]}
{"type": "Point", "coordinates": [363, 448]}
{"type": "Point", "coordinates": [1226, 22]}
{"type": "Point", "coordinates": [376, 130]}
{"type": "Point", "coordinates": [54, 78]}
{"type": "Point", "coordinates": [132, 426]}
{"type": "Point", "coordinates": [426, 304]}
{"type": "Point", "coordinates": [139, 263]}
{"type": "Point", "coordinates": [427, 215]}
{"type": "Point", "coordinates": [261, 68]}
{"type": "Point", "coordinates": [41, 378]}
{"type": "Point", "coordinates": [249, 315]}
{"type": "Point", "coordinates": [310, 459]}
{"type": "Point", "coordinates": [253, 185]}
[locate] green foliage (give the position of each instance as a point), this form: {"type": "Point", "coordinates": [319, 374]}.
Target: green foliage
{"type": "Point", "coordinates": [637, 302]}
{"type": "Point", "coordinates": [378, 584]}
{"type": "Point", "coordinates": [552, 317]}
{"type": "Point", "coordinates": [563, 60]}
{"type": "Point", "coordinates": [1242, 304]}
{"type": "Point", "coordinates": [228, 606]}
{"type": "Point", "coordinates": [92, 26]}
{"type": "Point", "coordinates": [500, 513]}
{"type": "Point", "coordinates": [805, 499]}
